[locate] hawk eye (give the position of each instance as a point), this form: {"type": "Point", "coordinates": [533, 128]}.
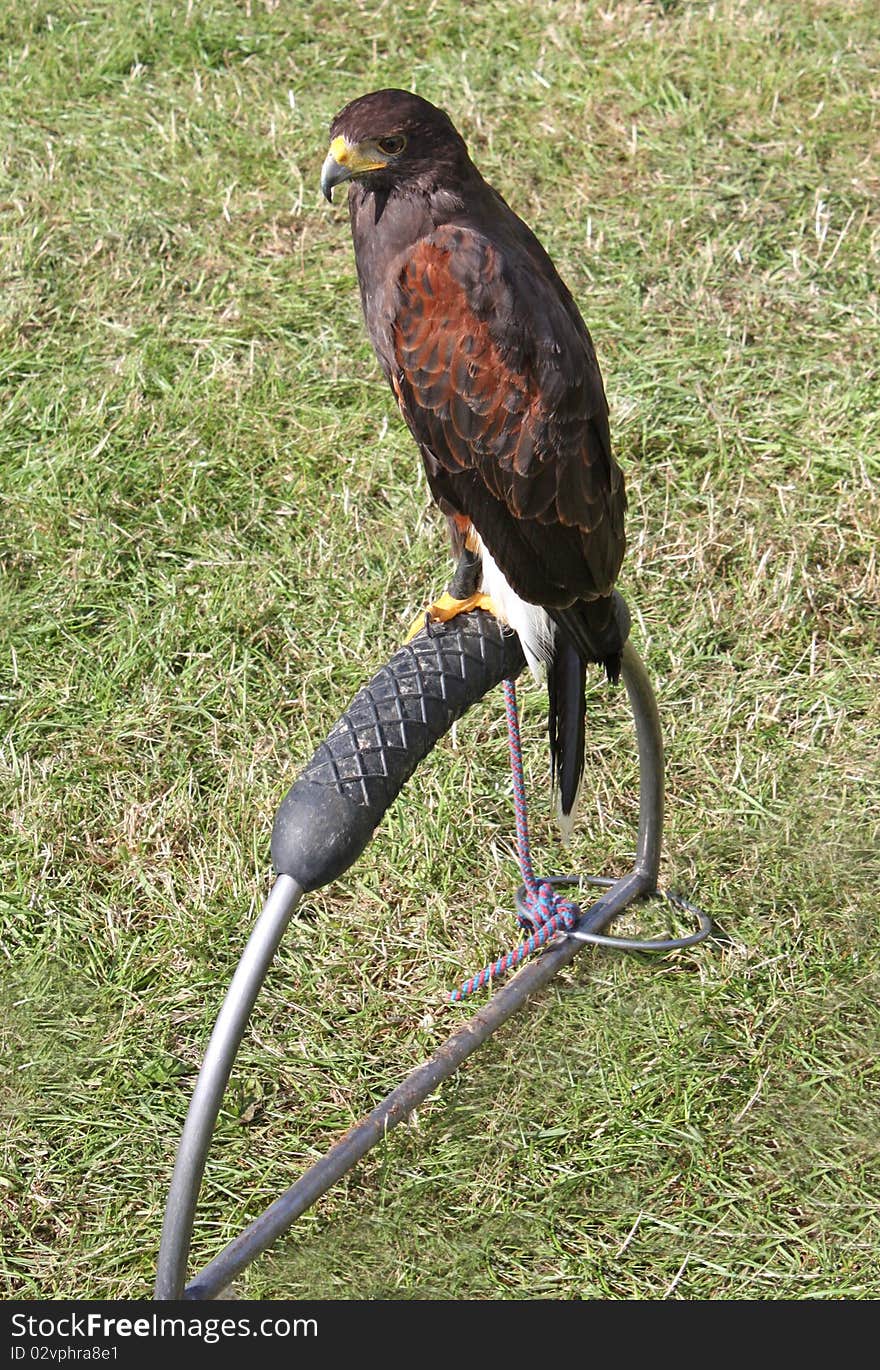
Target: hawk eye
{"type": "Point", "coordinates": [391, 146]}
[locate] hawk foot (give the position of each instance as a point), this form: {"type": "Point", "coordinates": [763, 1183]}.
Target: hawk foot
{"type": "Point", "coordinates": [446, 608]}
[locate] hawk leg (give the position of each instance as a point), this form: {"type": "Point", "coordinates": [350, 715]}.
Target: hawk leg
{"type": "Point", "coordinates": [461, 597]}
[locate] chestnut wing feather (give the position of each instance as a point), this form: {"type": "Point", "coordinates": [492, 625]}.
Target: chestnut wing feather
{"type": "Point", "coordinates": [496, 376]}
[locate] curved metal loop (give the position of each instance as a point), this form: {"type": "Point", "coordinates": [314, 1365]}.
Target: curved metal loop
{"type": "Point", "coordinates": [649, 944]}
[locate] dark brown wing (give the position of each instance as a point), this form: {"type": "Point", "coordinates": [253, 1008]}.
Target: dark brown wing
{"type": "Point", "coordinates": [497, 379]}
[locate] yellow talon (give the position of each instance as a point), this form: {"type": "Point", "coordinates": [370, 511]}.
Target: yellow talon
{"type": "Point", "coordinates": [447, 607]}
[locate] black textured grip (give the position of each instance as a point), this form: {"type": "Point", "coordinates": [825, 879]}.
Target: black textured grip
{"type": "Point", "coordinates": [330, 813]}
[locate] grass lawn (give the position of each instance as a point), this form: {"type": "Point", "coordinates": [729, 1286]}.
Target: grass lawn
{"type": "Point", "coordinates": [213, 528]}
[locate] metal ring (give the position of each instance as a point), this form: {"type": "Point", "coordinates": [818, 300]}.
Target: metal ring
{"type": "Point", "coordinates": [599, 939]}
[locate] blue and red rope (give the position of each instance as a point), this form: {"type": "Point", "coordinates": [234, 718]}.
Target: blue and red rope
{"type": "Point", "coordinates": [546, 912]}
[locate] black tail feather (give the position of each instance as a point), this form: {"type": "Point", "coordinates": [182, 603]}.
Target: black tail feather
{"type": "Point", "coordinates": [589, 631]}
{"type": "Point", "coordinates": [566, 683]}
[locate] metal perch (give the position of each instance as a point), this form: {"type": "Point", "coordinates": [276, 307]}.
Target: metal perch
{"type": "Point", "coordinates": [322, 826]}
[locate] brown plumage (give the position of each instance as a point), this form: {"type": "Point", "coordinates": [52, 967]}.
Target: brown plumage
{"type": "Point", "coordinates": [495, 374]}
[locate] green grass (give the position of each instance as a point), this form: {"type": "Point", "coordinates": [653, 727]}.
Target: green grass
{"type": "Point", "coordinates": [213, 530]}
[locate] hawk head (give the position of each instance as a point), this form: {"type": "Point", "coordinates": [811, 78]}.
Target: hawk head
{"type": "Point", "coordinates": [392, 138]}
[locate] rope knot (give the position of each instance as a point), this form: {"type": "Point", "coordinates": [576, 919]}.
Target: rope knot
{"type": "Point", "coordinates": [543, 905]}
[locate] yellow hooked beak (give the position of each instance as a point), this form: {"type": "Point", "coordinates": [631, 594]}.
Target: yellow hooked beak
{"type": "Point", "coordinates": [345, 160]}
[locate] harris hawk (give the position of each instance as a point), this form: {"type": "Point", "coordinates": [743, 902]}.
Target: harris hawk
{"type": "Point", "coordinates": [496, 376]}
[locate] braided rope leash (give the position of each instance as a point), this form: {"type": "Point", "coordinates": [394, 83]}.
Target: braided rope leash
{"type": "Point", "coordinates": [546, 912]}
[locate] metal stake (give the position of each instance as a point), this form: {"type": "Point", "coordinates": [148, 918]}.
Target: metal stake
{"type": "Point", "coordinates": [213, 1078]}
